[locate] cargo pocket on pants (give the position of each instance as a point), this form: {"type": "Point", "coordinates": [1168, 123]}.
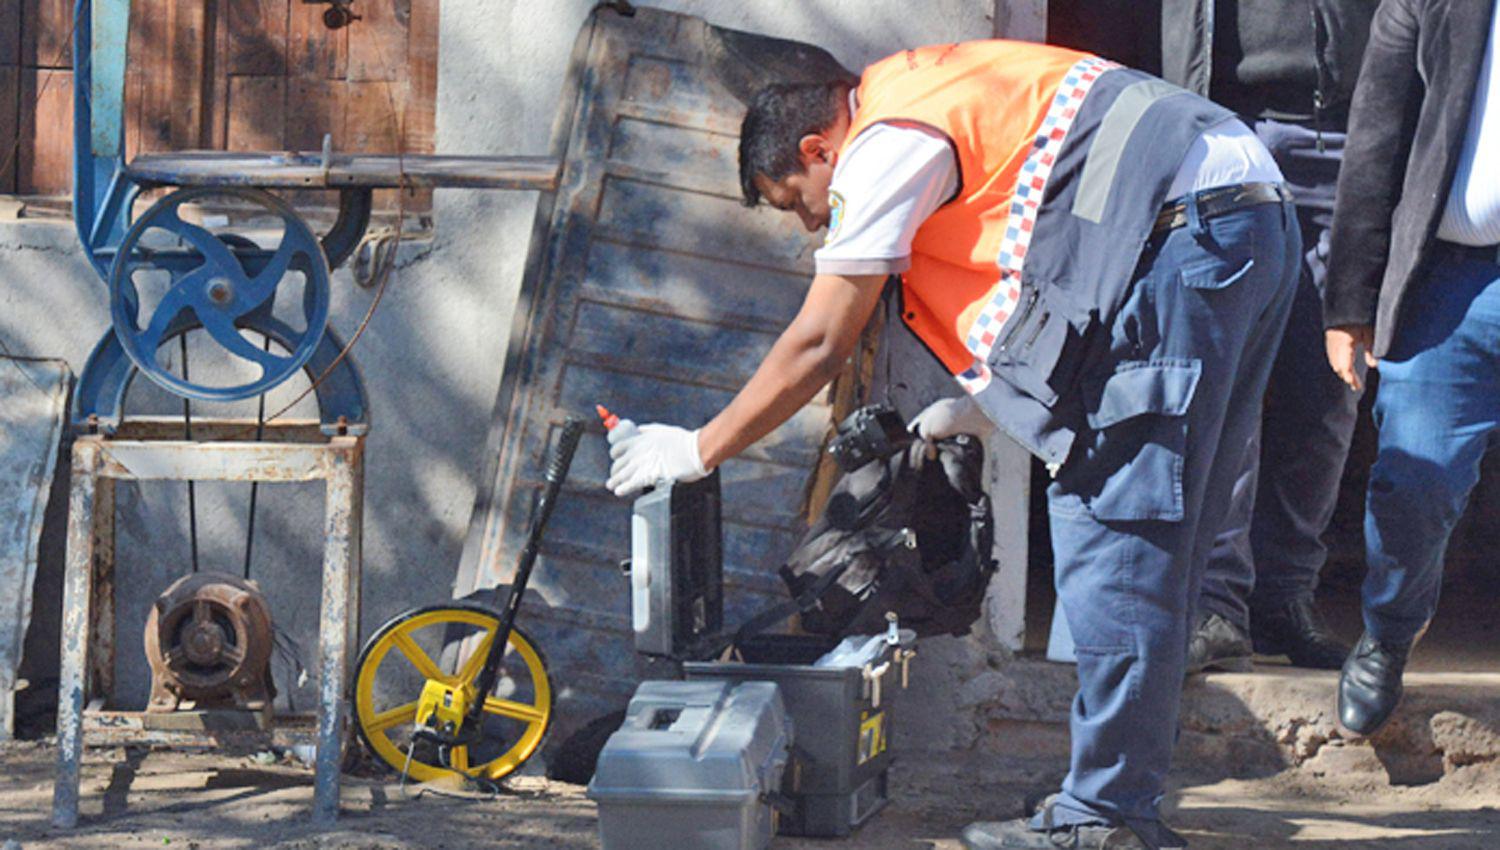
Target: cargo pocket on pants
{"type": "Point", "coordinates": [1138, 417]}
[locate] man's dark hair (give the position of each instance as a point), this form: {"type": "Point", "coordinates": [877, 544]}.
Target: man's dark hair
{"type": "Point", "coordinates": [778, 117]}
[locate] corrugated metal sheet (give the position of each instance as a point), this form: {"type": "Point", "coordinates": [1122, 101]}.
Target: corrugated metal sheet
{"type": "Point", "coordinates": [652, 290]}
{"type": "Point", "coordinates": [35, 395]}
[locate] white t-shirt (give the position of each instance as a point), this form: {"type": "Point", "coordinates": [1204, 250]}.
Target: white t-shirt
{"type": "Point", "coordinates": [1472, 214]}
{"type": "Point", "coordinates": [892, 177]}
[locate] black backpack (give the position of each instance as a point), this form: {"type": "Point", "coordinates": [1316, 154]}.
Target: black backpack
{"type": "Point", "coordinates": [911, 534]}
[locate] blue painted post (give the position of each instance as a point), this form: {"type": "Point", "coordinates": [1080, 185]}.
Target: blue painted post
{"type": "Point", "coordinates": [101, 193]}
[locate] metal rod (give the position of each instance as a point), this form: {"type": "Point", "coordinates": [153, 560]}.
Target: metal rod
{"type": "Point", "coordinates": [78, 618]}
{"type": "Point", "coordinates": [187, 430]}
{"type": "Point", "coordinates": [260, 435]}
{"type": "Point", "coordinates": [340, 600]}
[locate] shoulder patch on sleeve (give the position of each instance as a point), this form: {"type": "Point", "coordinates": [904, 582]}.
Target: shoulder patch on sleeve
{"type": "Point", "coordinates": [835, 215]}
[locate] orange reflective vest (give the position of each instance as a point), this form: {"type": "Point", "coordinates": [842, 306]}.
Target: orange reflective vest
{"type": "Point", "coordinates": [1005, 106]}
{"type": "Point", "coordinates": [1064, 160]}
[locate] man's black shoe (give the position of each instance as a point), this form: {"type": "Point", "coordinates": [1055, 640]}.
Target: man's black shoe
{"type": "Point", "coordinates": [1370, 684]}
{"type": "Point", "coordinates": [1295, 628]}
{"type": "Point", "coordinates": [1217, 644]}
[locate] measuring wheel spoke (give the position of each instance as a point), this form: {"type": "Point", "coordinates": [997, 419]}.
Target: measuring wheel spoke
{"type": "Point", "coordinates": [392, 717]}
{"type": "Point", "coordinates": [514, 710]}
{"type": "Point", "coordinates": [458, 758]}
{"type": "Point", "coordinates": [417, 657]}
{"type": "Point", "coordinates": [470, 671]}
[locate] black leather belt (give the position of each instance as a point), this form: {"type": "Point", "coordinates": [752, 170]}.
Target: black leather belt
{"type": "Point", "coordinates": [1218, 201]}
{"type": "Point", "coordinates": [1478, 253]}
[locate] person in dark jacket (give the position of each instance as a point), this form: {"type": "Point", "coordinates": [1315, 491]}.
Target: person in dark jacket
{"type": "Point", "coordinates": [1288, 67]}
{"type": "Point", "coordinates": [1414, 280]}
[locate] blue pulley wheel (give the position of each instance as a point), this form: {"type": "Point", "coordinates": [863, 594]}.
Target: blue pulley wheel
{"type": "Point", "coordinates": [169, 272]}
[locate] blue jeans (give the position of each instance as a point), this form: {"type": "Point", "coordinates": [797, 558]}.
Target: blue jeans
{"type": "Point", "coordinates": [1170, 403]}
{"type": "Point", "coordinates": [1270, 549]}
{"type": "Point", "coordinates": [1438, 409]}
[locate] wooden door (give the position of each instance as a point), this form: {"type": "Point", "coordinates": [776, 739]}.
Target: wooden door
{"type": "Point", "coordinates": [224, 75]}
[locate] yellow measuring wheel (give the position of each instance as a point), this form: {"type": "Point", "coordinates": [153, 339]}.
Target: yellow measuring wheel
{"type": "Point", "coordinates": [486, 718]}
{"type": "Point", "coordinates": [399, 679]}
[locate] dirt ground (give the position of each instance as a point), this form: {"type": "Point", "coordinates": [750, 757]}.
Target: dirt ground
{"type": "Point", "coordinates": [208, 802]}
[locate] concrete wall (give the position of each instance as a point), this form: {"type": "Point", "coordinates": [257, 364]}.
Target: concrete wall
{"type": "Point", "coordinates": [431, 356]}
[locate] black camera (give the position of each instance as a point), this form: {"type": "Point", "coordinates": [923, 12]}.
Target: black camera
{"type": "Point", "coordinates": [873, 432]}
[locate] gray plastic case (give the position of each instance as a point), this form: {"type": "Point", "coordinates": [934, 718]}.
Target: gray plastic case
{"type": "Point", "coordinates": [693, 766]}
{"type": "Point", "coordinates": [676, 567]}
{"type": "Point", "coordinates": [841, 775]}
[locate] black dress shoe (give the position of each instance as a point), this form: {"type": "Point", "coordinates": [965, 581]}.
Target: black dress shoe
{"type": "Point", "coordinates": [1217, 644]}
{"type": "Point", "coordinates": [1370, 685]}
{"type": "Point", "coordinates": [1295, 629]}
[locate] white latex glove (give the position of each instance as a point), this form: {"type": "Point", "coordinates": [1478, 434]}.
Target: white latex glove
{"type": "Point", "coordinates": [948, 417]}
{"type": "Point", "coordinates": [651, 454]}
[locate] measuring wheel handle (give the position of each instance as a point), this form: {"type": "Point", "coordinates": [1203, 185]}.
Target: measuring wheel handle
{"type": "Point", "coordinates": [557, 472]}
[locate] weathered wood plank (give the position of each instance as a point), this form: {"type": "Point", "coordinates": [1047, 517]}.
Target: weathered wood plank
{"type": "Point", "coordinates": [150, 50]}
{"type": "Point", "coordinates": [421, 63]}
{"type": "Point", "coordinates": [188, 89]}
{"type": "Point", "coordinates": [314, 50]}
{"type": "Point", "coordinates": [10, 141]}
{"type": "Point", "coordinates": [46, 157]}
{"type": "Point", "coordinates": [257, 112]}
{"type": "Point", "coordinates": [257, 43]}
{"type": "Point", "coordinates": [374, 117]}
{"type": "Point", "coordinates": [135, 81]}
{"type": "Point", "coordinates": [377, 44]}
{"type": "Point", "coordinates": [146, 127]}
{"type": "Point", "coordinates": [10, 32]}
{"type": "Point", "coordinates": [318, 107]}
{"type": "Point", "coordinates": [168, 44]}
{"type": "Point", "coordinates": [45, 41]}
{"type": "Point", "coordinates": [420, 109]}
{"type": "Point", "coordinates": [203, 74]}
{"type": "Point", "coordinates": [216, 75]}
